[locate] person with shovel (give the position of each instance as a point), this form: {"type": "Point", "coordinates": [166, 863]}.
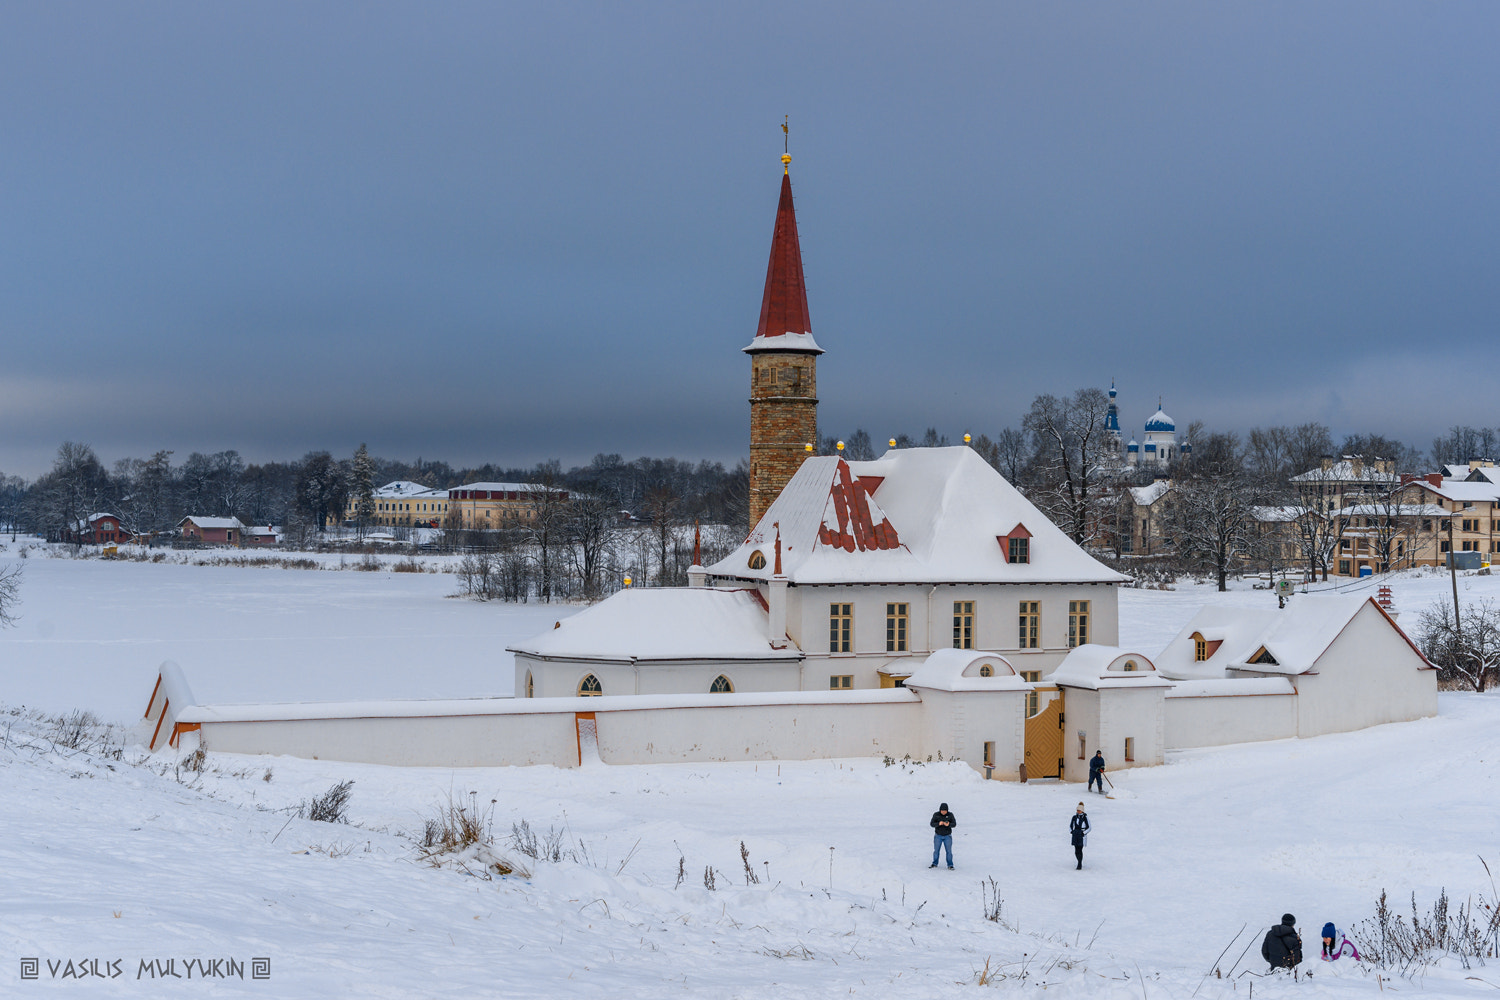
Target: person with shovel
{"type": "Point", "coordinates": [1096, 771]}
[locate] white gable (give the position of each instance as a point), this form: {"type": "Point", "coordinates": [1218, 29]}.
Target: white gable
{"type": "Point", "coordinates": [915, 515]}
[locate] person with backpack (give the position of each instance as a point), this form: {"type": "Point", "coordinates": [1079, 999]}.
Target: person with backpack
{"type": "Point", "coordinates": [1096, 771]}
{"type": "Point", "coordinates": [1282, 947]}
{"type": "Point", "coordinates": [942, 824]}
{"type": "Point", "coordinates": [1078, 830]}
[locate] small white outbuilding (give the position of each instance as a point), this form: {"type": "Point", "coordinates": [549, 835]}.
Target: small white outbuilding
{"type": "Point", "coordinates": [1327, 664]}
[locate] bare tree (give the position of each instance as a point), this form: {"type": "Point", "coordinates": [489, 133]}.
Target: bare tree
{"type": "Point", "coordinates": [1068, 436]}
{"type": "Point", "coordinates": [547, 524]}
{"type": "Point", "coordinates": [661, 507]}
{"type": "Point", "coordinates": [1464, 643]}
{"type": "Point", "coordinates": [10, 594]}
{"type": "Point", "coordinates": [589, 522]}
{"type": "Point", "coordinates": [1213, 512]}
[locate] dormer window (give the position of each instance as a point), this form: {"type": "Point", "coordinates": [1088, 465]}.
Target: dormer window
{"type": "Point", "coordinates": [1263, 655]}
{"type": "Point", "coordinates": [1200, 647]}
{"type": "Point", "coordinates": [757, 559]}
{"type": "Point", "coordinates": [1016, 545]}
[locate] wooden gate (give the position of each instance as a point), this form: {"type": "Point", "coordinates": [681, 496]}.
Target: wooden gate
{"type": "Point", "coordinates": [1044, 741]}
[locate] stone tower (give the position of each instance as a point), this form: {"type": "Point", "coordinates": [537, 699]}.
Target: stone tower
{"type": "Point", "coordinates": [783, 366]}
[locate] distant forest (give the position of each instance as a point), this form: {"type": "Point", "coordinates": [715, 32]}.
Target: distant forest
{"type": "Point", "coordinates": [1060, 450]}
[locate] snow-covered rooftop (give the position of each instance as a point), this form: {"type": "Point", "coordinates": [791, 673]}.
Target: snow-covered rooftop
{"type": "Point", "coordinates": [1093, 666]}
{"type": "Point", "coordinates": [670, 623]}
{"type": "Point", "coordinates": [212, 522]}
{"type": "Point", "coordinates": [1294, 637]}
{"type": "Point", "coordinates": [914, 515]}
{"type": "Point", "coordinates": [788, 341]}
{"type": "Point", "coordinates": [1392, 510]}
{"type": "Point", "coordinates": [1462, 490]}
{"type": "Point", "coordinates": [1145, 496]}
{"type": "Point", "coordinates": [1276, 515]}
{"type": "Point", "coordinates": [963, 670]}
{"type": "Point", "coordinates": [1345, 472]}
{"type": "Point", "coordinates": [500, 487]}
{"type": "Point", "coordinates": [404, 488]}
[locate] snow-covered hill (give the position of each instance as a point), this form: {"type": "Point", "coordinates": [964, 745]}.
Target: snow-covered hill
{"type": "Point", "coordinates": [111, 856]}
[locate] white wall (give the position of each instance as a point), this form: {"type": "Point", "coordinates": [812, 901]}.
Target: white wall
{"type": "Point", "coordinates": [429, 741]}
{"type": "Point", "coordinates": [560, 678]}
{"type": "Point", "coordinates": [1210, 720]}
{"type": "Point", "coordinates": [930, 624]}
{"type": "Point", "coordinates": [1369, 675]}
{"type": "Point", "coordinates": [760, 732]}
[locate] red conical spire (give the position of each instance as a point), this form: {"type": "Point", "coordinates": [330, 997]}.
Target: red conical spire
{"type": "Point", "coordinates": [783, 309]}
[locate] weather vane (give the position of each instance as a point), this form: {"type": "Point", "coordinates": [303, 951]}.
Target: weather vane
{"type": "Point", "coordinates": [786, 144]}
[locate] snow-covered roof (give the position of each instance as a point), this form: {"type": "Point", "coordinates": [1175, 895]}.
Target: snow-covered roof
{"type": "Point", "coordinates": [83, 524]}
{"type": "Point", "coordinates": [1160, 422]}
{"type": "Point", "coordinates": [1233, 685]}
{"type": "Point", "coordinates": [1276, 515]}
{"type": "Point", "coordinates": [788, 341]}
{"type": "Point", "coordinates": [669, 623]}
{"type": "Point", "coordinates": [501, 487]}
{"type": "Point", "coordinates": [1392, 510]}
{"type": "Point", "coordinates": [1094, 666]}
{"type": "Point", "coordinates": [1461, 490]}
{"type": "Point", "coordinates": [211, 522]}
{"type": "Point", "coordinates": [1488, 473]}
{"type": "Point", "coordinates": [914, 515]}
{"type": "Point", "coordinates": [963, 670]}
{"type": "Point", "coordinates": [1294, 636]}
{"type": "Point", "coordinates": [1145, 496]}
{"type": "Point", "coordinates": [405, 488]}
{"type": "Point", "coordinates": [1344, 472]}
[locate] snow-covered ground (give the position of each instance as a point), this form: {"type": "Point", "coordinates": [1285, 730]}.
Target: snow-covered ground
{"type": "Point", "coordinates": [111, 856]}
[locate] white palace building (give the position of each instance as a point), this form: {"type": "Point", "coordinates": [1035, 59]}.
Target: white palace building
{"type": "Point", "coordinates": [913, 604]}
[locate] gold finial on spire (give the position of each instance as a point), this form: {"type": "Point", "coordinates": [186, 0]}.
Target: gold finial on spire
{"type": "Point", "coordinates": [786, 145]}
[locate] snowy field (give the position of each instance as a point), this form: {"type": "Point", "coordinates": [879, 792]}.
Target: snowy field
{"type": "Point", "coordinates": [114, 857]}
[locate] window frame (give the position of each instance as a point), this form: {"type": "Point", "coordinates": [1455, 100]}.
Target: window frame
{"type": "Point", "coordinates": [1079, 613]}
{"type": "Point", "coordinates": [841, 626]}
{"type": "Point", "coordinates": [963, 624]}
{"type": "Point", "coordinates": [897, 626]}
{"type": "Point", "coordinates": [1030, 613]}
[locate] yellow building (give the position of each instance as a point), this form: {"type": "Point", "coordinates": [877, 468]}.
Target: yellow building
{"type": "Point", "coordinates": [404, 504]}
{"type": "Point", "coordinates": [480, 506]}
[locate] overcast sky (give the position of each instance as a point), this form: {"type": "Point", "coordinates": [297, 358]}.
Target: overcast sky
{"type": "Point", "coordinates": [509, 232]}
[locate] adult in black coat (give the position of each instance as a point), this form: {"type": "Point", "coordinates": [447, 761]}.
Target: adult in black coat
{"type": "Point", "coordinates": [1078, 828]}
{"type": "Point", "coordinates": [1096, 771]}
{"type": "Point", "coordinates": [942, 825]}
{"type": "Point", "coordinates": [1282, 948]}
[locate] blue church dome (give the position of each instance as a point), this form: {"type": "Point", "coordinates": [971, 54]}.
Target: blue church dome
{"type": "Point", "coordinates": [1160, 422]}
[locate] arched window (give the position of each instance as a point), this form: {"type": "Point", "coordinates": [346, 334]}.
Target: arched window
{"type": "Point", "coordinates": [721, 685]}
{"type": "Point", "coordinates": [757, 559]}
{"type": "Point", "coordinates": [530, 685]}
{"type": "Point", "coordinates": [985, 670]}
{"type": "Point", "coordinates": [1130, 665]}
{"type": "Point", "coordinates": [1200, 647]}
{"type": "Point", "coordinates": [590, 687]}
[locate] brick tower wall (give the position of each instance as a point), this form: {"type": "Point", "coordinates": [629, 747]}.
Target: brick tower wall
{"type": "Point", "coordinates": [783, 421]}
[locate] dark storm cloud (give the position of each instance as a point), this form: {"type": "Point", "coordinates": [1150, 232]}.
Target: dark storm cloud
{"type": "Point", "coordinates": [489, 232]}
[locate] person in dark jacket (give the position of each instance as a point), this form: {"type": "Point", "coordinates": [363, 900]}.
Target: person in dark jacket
{"type": "Point", "coordinates": [1078, 829]}
{"type": "Point", "coordinates": [1282, 948]}
{"type": "Point", "coordinates": [942, 834]}
{"type": "Point", "coordinates": [1096, 771]}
